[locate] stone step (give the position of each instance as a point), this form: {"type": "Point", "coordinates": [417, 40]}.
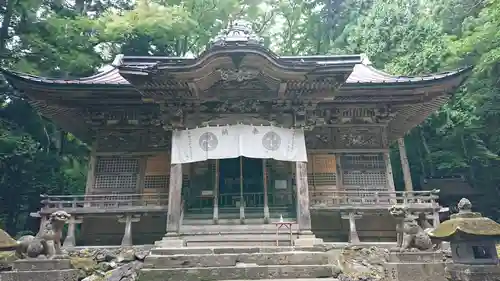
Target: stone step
{"type": "Point", "coordinates": [297, 279]}
{"type": "Point", "coordinates": [249, 239]}
{"type": "Point", "coordinates": [239, 237]}
{"type": "Point", "coordinates": [241, 243]}
{"type": "Point", "coordinates": [231, 250]}
{"type": "Point", "coordinates": [234, 229]}
{"type": "Point", "coordinates": [217, 260]}
{"type": "Point", "coordinates": [240, 272]}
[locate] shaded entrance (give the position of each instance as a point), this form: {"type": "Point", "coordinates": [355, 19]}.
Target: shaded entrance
{"type": "Point", "coordinates": [218, 188]}
{"type": "Point", "coordinates": [241, 181]}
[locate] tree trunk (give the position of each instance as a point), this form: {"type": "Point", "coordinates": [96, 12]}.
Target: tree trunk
{"type": "Point", "coordinates": [427, 151]}
{"type": "Point", "coordinates": [4, 29]}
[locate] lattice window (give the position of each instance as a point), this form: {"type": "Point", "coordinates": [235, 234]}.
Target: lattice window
{"type": "Point", "coordinates": [362, 161]}
{"type": "Point", "coordinates": [112, 165]}
{"type": "Point", "coordinates": [118, 173]}
{"type": "Point", "coordinates": [324, 179]}
{"type": "Point", "coordinates": [156, 182]}
{"type": "Point", "coordinates": [365, 178]}
{"type": "Point", "coordinates": [116, 181]}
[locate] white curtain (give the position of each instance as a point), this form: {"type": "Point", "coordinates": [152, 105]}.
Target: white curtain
{"type": "Point", "coordinates": [263, 142]}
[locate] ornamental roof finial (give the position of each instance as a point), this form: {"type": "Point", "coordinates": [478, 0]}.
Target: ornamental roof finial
{"type": "Point", "coordinates": [239, 32]}
{"type": "Point", "coordinates": [464, 206]}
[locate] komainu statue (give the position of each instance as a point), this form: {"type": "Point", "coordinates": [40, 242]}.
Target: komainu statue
{"type": "Point", "coordinates": [47, 242]}
{"type": "Point", "coordinates": [414, 237]}
{"type": "Point", "coordinates": [399, 212]}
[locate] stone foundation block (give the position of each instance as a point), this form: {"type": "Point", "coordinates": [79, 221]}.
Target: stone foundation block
{"type": "Point", "coordinates": [307, 241]}
{"type": "Point", "coordinates": [33, 265]}
{"type": "Point", "coordinates": [211, 260]}
{"type": "Point", "coordinates": [241, 272]}
{"type": "Point", "coordinates": [41, 270]}
{"type": "Point", "coordinates": [232, 250]}
{"type": "Point", "coordinates": [411, 266]}
{"type": "Point", "coordinates": [473, 272]}
{"type": "Point", "coordinates": [171, 242]}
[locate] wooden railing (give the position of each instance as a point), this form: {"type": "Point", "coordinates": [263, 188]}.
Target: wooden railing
{"type": "Point", "coordinates": [232, 200]}
{"type": "Point", "coordinates": [318, 200]}
{"type": "Point", "coordinates": [102, 201]}
{"type": "Point", "coordinates": [333, 199]}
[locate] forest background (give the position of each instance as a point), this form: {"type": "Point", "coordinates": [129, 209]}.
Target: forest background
{"type": "Point", "coordinates": [58, 38]}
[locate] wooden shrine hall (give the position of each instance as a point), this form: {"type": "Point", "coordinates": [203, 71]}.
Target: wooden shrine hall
{"type": "Point", "coordinates": [218, 148]}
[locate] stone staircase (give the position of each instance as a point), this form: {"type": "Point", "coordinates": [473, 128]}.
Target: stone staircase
{"type": "Point", "coordinates": [236, 235]}
{"type": "Point", "coordinates": [238, 263]}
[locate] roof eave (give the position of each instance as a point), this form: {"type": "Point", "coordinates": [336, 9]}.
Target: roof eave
{"type": "Point", "coordinates": [463, 73]}
{"type": "Point", "coordinates": [15, 79]}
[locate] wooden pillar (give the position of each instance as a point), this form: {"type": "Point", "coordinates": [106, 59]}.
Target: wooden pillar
{"type": "Point", "coordinates": [216, 193]}
{"type": "Point", "coordinates": [70, 239]}
{"type": "Point", "coordinates": [405, 165]}
{"type": "Point", "coordinates": [302, 188]}
{"type": "Point", "coordinates": [174, 200]}
{"type": "Point", "coordinates": [339, 180]}
{"type": "Point", "coordinates": [388, 171]}
{"type": "Point", "coordinates": [91, 170]}
{"type": "Point", "coordinates": [142, 174]}
{"type": "Point", "coordinates": [266, 199]}
{"type": "Point", "coordinates": [242, 199]}
{"type": "Point", "coordinates": [128, 219]}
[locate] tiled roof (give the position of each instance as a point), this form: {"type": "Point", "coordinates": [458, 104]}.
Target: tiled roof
{"type": "Point", "coordinates": [361, 74]}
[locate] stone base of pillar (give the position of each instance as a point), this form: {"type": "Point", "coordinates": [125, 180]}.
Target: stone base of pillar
{"type": "Point", "coordinates": [307, 239]}
{"type": "Point", "coordinates": [266, 215]}
{"type": "Point", "coordinates": [353, 233]}
{"type": "Point", "coordinates": [40, 269]}
{"type": "Point", "coordinates": [171, 241]}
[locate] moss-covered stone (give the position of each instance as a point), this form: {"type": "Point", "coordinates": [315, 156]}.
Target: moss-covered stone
{"type": "Point", "coordinates": [85, 266]}
{"type": "Point", "coordinates": [6, 241]}
{"type": "Point", "coordinates": [467, 222]}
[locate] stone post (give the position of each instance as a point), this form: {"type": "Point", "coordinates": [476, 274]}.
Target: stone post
{"type": "Point", "coordinates": [172, 237]}
{"type": "Point", "coordinates": [266, 199]}
{"type": "Point", "coordinates": [242, 198]}
{"type": "Point", "coordinates": [405, 165]}
{"type": "Point", "coordinates": [128, 219]}
{"type": "Point", "coordinates": [353, 232]}
{"type": "Point", "coordinates": [70, 240]}
{"type": "Point", "coordinates": [306, 237]}
{"type": "Point", "coordinates": [216, 193]}
{"type": "Point", "coordinates": [43, 220]}
{"type": "Point", "coordinates": [435, 219]}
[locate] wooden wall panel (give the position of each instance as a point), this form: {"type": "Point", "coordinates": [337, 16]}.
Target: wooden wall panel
{"type": "Point", "coordinates": [156, 178]}
{"type": "Point", "coordinates": [158, 164]}
{"type": "Point", "coordinates": [324, 163]}
{"type": "Point", "coordinates": [322, 175]}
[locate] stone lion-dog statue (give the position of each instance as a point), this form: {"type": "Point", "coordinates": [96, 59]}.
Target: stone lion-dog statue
{"type": "Point", "coordinates": [47, 242]}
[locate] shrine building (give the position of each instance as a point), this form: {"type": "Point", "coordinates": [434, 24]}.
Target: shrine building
{"type": "Point", "coordinates": [222, 147]}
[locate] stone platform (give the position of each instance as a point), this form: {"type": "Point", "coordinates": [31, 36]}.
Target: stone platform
{"type": "Point", "coordinates": [237, 263]}
{"type": "Point", "coordinates": [41, 270]}
{"type": "Point", "coordinates": [411, 266]}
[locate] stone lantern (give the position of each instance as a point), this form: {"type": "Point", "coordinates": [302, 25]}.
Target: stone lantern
{"type": "Point", "coordinates": [472, 240]}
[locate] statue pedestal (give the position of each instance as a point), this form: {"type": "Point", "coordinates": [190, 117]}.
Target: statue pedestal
{"type": "Point", "coordinates": [411, 266]}
{"type": "Point", "coordinates": [41, 269]}
{"type": "Point", "coordinates": [470, 272]}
